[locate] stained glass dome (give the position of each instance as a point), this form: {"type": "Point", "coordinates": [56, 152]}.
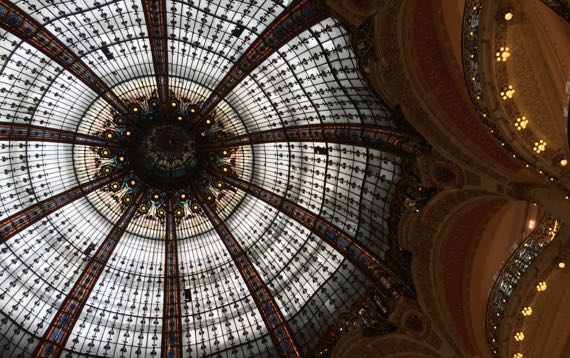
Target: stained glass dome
{"type": "Point", "coordinates": [189, 178]}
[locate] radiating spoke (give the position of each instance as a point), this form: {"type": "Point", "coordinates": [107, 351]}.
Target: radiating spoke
{"type": "Point", "coordinates": [22, 219]}
{"type": "Point", "coordinates": [339, 240]}
{"type": "Point", "coordinates": [274, 321]}
{"type": "Point", "coordinates": [66, 317]}
{"type": "Point", "coordinates": [171, 319]}
{"type": "Point", "coordinates": [297, 17]}
{"type": "Point", "coordinates": [18, 22]}
{"type": "Point", "coordinates": [155, 16]}
{"type": "Point", "coordinates": [24, 132]}
{"type": "Point", "coordinates": [385, 139]}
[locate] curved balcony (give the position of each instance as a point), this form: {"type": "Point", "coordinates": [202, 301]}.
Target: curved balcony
{"type": "Point", "coordinates": [515, 267]}
{"type": "Point", "coordinates": [514, 76]}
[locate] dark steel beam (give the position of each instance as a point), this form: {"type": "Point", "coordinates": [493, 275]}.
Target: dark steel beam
{"type": "Point", "coordinates": [385, 139]}
{"type": "Point", "coordinates": [25, 132]}
{"type": "Point", "coordinates": [297, 17]}
{"type": "Point", "coordinates": [16, 21]}
{"type": "Point", "coordinates": [62, 324]}
{"type": "Point", "coordinates": [171, 317]}
{"type": "Point", "coordinates": [155, 17]}
{"type": "Point", "coordinates": [26, 217]}
{"type": "Point", "coordinates": [274, 321]}
{"type": "Point", "coordinates": [339, 240]}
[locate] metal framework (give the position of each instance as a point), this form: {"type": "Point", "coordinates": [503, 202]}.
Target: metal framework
{"type": "Point", "coordinates": [358, 255]}
{"type": "Point", "coordinates": [15, 131]}
{"type": "Point", "coordinates": [297, 17]}
{"type": "Point", "coordinates": [385, 139]}
{"type": "Point", "coordinates": [24, 218]}
{"type": "Point", "coordinates": [155, 16]}
{"type": "Point", "coordinates": [274, 321]}
{"type": "Point", "coordinates": [60, 328]}
{"type": "Point", "coordinates": [22, 25]}
{"type": "Point", "coordinates": [171, 320]}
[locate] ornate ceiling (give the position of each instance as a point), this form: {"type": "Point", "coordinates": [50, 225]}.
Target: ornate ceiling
{"type": "Point", "coordinates": [85, 271]}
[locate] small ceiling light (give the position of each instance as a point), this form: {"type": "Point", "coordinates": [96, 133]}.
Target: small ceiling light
{"type": "Point", "coordinates": [561, 265]}
{"type": "Point", "coordinates": [519, 336]}
{"type": "Point", "coordinates": [508, 16]}
{"type": "Point", "coordinates": [195, 208]}
{"type": "Point", "coordinates": [526, 311]}
{"type": "Point", "coordinates": [132, 182]}
{"type": "Point", "coordinates": [520, 123]}
{"type": "Point", "coordinates": [110, 135]}
{"type": "Point", "coordinates": [128, 133]}
{"type": "Point", "coordinates": [541, 286]}
{"type": "Point", "coordinates": [539, 146]}
{"type": "Point", "coordinates": [507, 92]}
{"type": "Point", "coordinates": [563, 162]}
{"type": "Point", "coordinates": [517, 355]}
{"type": "Point", "coordinates": [179, 117]}
{"type": "Point", "coordinates": [502, 54]}
{"type": "Point", "coordinates": [182, 196]}
{"type": "Point", "coordinates": [531, 224]}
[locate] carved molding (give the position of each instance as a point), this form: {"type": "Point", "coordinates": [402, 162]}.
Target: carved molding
{"type": "Point", "coordinates": [423, 235]}
{"type": "Point", "coordinates": [449, 125]}
{"type": "Point", "coordinates": [355, 12]}
{"type": "Point", "coordinates": [439, 172]}
{"type": "Point", "coordinates": [357, 345]}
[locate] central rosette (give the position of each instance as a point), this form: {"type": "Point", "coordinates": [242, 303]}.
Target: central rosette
{"type": "Point", "coordinates": [168, 152]}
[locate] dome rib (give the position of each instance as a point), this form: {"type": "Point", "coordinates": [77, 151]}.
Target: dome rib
{"type": "Point", "coordinates": [274, 321]}
{"type": "Point", "coordinates": [14, 132]}
{"type": "Point", "coordinates": [297, 17]}
{"type": "Point", "coordinates": [17, 22]}
{"type": "Point", "coordinates": [171, 320]}
{"type": "Point", "coordinates": [155, 15]}
{"type": "Point", "coordinates": [21, 220]}
{"type": "Point", "coordinates": [61, 326]}
{"type": "Point", "coordinates": [361, 257]}
{"type": "Point", "coordinates": [385, 139]}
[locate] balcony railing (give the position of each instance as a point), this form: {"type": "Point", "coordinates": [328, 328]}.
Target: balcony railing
{"type": "Point", "coordinates": [472, 52]}
{"type": "Point", "coordinates": [512, 271]}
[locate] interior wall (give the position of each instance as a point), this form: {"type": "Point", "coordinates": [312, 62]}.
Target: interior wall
{"type": "Point", "coordinates": [504, 231]}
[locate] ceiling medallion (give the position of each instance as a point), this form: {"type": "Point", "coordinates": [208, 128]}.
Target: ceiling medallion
{"type": "Point", "coordinates": [160, 147]}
